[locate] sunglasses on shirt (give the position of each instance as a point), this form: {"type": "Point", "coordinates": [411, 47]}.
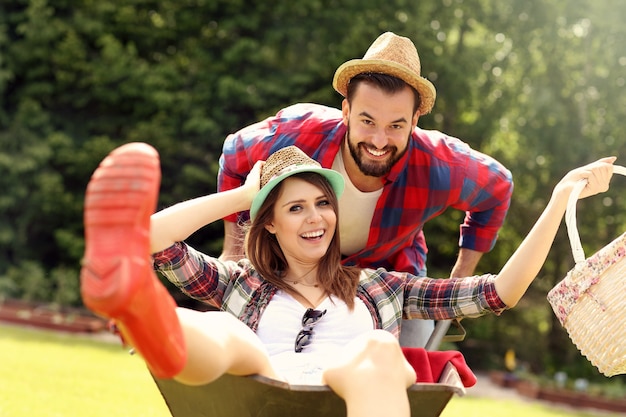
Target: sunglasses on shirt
{"type": "Point", "coordinates": [310, 318]}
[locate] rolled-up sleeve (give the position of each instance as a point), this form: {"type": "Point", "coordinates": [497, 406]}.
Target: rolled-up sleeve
{"type": "Point", "coordinates": [197, 275]}
{"type": "Point", "coordinates": [445, 299]}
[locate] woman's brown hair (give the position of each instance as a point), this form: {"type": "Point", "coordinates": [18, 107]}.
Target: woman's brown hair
{"type": "Point", "coordinates": [266, 255]}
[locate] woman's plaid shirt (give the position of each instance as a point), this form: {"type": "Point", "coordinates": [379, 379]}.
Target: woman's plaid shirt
{"type": "Point", "coordinates": [237, 288]}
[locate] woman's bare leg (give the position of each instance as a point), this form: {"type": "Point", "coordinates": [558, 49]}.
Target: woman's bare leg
{"type": "Point", "coordinates": [218, 343]}
{"type": "Point", "coordinates": [372, 377]}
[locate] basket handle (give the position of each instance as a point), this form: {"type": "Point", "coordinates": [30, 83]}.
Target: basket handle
{"type": "Point", "coordinates": [570, 216]}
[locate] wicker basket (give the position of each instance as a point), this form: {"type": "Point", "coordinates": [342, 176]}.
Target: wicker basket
{"type": "Point", "coordinates": [590, 301]}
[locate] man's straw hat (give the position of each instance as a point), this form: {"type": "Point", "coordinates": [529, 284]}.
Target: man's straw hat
{"type": "Point", "coordinates": [284, 163]}
{"type": "Point", "coordinates": [392, 55]}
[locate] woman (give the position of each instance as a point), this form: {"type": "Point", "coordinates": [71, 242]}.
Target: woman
{"type": "Point", "coordinates": [291, 311]}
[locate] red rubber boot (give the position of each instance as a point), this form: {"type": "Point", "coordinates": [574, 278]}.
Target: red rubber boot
{"type": "Point", "coordinates": [117, 278]}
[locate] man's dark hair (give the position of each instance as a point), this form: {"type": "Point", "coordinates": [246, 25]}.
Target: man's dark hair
{"type": "Point", "coordinates": [387, 83]}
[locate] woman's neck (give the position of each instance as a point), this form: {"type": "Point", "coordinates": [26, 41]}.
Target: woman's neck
{"type": "Point", "coordinates": [302, 275]}
{"type": "Point", "coordinates": [308, 296]}
{"type": "Point", "coordinates": [306, 289]}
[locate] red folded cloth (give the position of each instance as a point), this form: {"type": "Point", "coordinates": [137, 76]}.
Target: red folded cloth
{"type": "Point", "coordinates": [429, 365]}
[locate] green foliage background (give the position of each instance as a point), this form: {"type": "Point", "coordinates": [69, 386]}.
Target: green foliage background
{"type": "Point", "coordinates": [537, 84]}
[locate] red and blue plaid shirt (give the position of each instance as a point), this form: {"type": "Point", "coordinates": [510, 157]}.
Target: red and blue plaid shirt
{"type": "Point", "coordinates": [437, 172]}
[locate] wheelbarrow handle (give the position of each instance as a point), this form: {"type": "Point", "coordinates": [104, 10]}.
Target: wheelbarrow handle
{"type": "Point", "coordinates": [440, 334]}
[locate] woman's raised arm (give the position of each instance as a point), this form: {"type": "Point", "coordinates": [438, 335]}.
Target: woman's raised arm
{"type": "Point", "coordinates": [524, 265]}
{"type": "Point", "coordinates": [178, 222]}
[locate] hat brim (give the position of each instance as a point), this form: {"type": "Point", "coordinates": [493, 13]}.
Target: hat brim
{"type": "Point", "coordinates": [350, 69]}
{"type": "Point", "coordinates": [333, 177]}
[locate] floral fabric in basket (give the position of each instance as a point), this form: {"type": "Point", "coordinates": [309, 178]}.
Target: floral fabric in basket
{"type": "Point", "coordinates": [564, 296]}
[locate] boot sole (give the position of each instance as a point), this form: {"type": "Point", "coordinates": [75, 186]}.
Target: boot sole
{"type": "Point", "coordinates": [120, 198]}
{"type": "Point", "coordinates": [117, 277]}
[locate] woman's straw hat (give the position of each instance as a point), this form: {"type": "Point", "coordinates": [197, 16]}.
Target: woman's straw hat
{"type": "Point", "coordinates": [285, 163]}
{"type": "Point", "coordinates": [392, 55]}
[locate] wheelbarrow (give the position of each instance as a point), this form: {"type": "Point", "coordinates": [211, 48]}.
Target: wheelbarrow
{"type": "Point", "coordinates": [446, 374]}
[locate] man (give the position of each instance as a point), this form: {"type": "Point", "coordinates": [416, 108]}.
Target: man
{"type": "Point", "coordinates": [398, 176]}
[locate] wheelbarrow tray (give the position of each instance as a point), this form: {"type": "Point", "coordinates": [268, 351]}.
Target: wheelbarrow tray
{"type": "Point", "coordinates": [258, 396]}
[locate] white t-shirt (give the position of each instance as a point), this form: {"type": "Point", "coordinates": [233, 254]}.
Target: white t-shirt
{"type": "Point", "coordinates": [356, 209]}
{"type": "Point", "coordinates": [282, 321]}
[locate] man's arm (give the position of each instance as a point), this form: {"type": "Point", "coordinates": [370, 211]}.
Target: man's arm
{"type": "Point", "coordinates": [466, 263]}
{"type": "Point", "coordinates": [485, 215]}
{"type": "Point", "coordinates": [233, 242]}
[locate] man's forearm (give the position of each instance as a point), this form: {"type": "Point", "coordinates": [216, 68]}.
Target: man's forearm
{"type": "Point", "coordinates": [466, 263]}
{"type": "Point", "coordinates": [233, 249]}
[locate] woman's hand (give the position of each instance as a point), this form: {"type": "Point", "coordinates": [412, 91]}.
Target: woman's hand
{"type": "Point", "coordinates": [597, 174]}
{"type": "Point", "coordinates": [252, 185]}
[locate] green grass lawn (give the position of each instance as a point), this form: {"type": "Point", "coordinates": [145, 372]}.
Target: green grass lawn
{"type": "Point", "coordinates": [481, 407]}
{"type": "Point", "coordinates": [48, 374]}
{"type": "Point", "coordinates": [55, 375]}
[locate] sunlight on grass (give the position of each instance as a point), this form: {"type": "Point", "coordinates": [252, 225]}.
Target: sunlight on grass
{"type": "Point", "coordinates": [481, 407]}
{"type": "Point", "coordinates": [49, 374]}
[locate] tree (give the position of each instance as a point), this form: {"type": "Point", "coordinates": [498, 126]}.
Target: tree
{"type": "Point", "coordinates": [537, 84]}
{"type": "Point", "coordinates": [547, 98]}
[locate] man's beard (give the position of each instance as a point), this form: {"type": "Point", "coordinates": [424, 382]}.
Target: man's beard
{"type": "Point", "coordinates": [373, 169]}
